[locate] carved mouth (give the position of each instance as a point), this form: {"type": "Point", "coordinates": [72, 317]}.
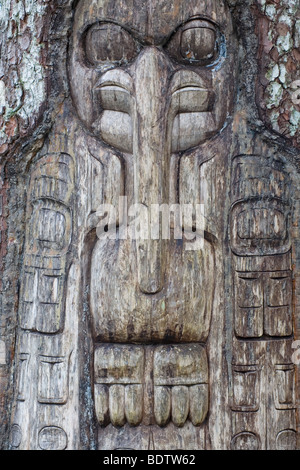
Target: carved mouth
{"type": "Point", "coordinates": [187, 86]}
{"type": "Point", "coordinates": [112, 87]}
{"type": "Point", "coordinates": [192, 99]}
{"type": "Point", "coordinates": [113, 97]}
{"type": "Point", "coordinates": [117, 78]}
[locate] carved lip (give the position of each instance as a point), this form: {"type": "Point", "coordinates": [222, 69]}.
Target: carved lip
{"type": "Point", "coordinates": [190, 97]}
{"type": "Point", "coordinates": [189, 87]}
{"type": "Point", "coordinates": [109, 86]}
{"type": "Point", "coordinates": [115, 78]}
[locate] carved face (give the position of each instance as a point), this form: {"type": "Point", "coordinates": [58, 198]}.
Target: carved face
{"type": "Point", "coordinates": [151, 79]}
{"type": "Point", "coordinates": [174, 61]}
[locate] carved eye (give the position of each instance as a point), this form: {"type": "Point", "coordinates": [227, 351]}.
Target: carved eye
{"type": "Point", "coordinates": [108, 42]}
{"type": "Point", "coordinates": [195, 43]}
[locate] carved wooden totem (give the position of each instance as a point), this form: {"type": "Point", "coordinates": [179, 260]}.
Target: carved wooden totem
{"type": "Point", "coordinates": [156, 343]}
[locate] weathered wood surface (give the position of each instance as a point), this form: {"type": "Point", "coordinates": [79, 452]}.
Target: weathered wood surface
{"type": "Point", "coordinates": [151, 343]}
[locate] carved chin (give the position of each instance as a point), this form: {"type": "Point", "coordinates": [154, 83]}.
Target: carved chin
{"type": "Point", "coordinates": [181, 311]}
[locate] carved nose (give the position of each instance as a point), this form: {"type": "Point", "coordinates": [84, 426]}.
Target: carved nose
{"type": "Point", "coordinates": [151, 153]}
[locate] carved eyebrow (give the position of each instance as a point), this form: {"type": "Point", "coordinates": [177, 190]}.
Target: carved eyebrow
{"type": "Point", "coordinates": [214, 26]}
{"type": "Point", "coordinates": [210, 23]}
{"type": "Point", "coordinates": [141, 37]}
{"type": "Point", "coordinates": [136, 34]}
{"type": "Point", "coordinates": [203, 22]}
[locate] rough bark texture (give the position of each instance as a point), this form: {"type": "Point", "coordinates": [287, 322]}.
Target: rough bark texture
{"type": "Point", "coordinates": [152, 343]}
{"type": "Point", "coordinates": [278, 26]}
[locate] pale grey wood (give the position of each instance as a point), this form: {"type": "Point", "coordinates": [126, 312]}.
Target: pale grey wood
{"type": "Point", "coordinates": [199, 403]}
{"type": "Point", "coordinates": [134, 404]}
{"type": "Point", "coordinates": [180, 404]}
{"type": "Point", "coordinates": [117, 404]}
{"type": "Point", "coordinates": [162, 405]}
{"type": "Point", "coordinates": [101, 397]}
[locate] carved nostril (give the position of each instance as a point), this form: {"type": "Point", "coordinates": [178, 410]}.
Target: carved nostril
{"type": "Point", "coordinates": [151, 288]}
{"type": "Point", "coordinates": [151, 267]}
